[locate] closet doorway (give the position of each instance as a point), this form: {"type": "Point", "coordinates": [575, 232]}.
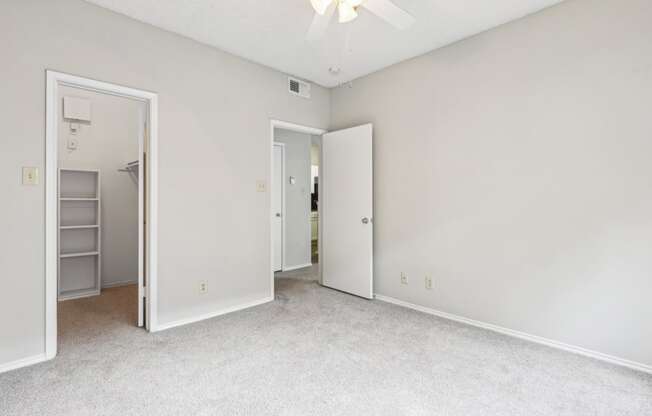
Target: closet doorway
{"type": "Point", "coordinates": [100, 206]}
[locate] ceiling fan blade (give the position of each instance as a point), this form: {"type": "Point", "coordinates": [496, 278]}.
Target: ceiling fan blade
{"type": "Point", "coordinates": [320, 23]}
{"type": "Point", "coordinates": [390, 12]}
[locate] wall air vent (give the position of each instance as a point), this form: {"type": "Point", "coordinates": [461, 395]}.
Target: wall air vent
{"type": "Point", "coordinates": [298, 87]}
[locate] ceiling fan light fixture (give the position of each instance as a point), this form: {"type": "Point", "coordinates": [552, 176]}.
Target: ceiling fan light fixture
{"type": "Point", "coordinates": [346, 11]}
{"type": "Point", "coordinates": [320, 6]}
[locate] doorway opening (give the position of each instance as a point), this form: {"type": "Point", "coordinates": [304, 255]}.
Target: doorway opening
{"type": "Point", "coordinates": [315, 156]}
{"type": "Point", "coordinates": [295, 202]}
{"type": "Point", "coordinates": [321, 208]}
{"type": "Point", "coordinates": [294, 193]}
{"type": "Point", "coordinates": [100, 207]}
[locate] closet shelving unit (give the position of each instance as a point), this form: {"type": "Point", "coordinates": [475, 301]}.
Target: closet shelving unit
{"type": "Point", "coordinates": [79, 233]}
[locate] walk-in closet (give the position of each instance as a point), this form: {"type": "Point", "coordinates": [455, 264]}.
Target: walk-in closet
{"type": "Point", "coordinates": [102, 140]}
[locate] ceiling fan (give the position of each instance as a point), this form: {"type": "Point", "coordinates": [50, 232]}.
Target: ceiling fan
{"type": "Point", "coordinates": [348, 11]}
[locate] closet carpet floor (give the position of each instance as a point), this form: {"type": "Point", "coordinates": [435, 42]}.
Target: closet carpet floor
{"type": "Point", "coordinates": [313, 351]}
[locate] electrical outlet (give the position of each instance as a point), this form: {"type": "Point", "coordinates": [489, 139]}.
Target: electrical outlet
{"type": "Point", "coordinates": [203, 287]}
{"type": "Point", "coordinates": [404, 278]}
{"type": "Point", "coordinates": [428, 282]}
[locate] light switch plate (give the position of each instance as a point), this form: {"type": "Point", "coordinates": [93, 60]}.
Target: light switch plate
{"type": "Point", "coordinates": [428, 282]}
{"type": "Point", "coordinates": [261, 186]}
{"type": "Point", "coordinates": [30, 176]}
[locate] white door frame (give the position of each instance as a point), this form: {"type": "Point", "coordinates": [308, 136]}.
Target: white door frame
{"type": "Point", "coordinates": [278, 124]}
{"type": "Point", "coordinates": [282, 146]}
{"type": "Point", "coordinates": [54, 81]}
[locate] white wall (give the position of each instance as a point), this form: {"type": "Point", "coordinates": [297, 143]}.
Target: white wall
{"type": "Point", "coordinates": [297, 196]}
{"type": "Point", "coordinates": [515, 167]}
{"type": "Point", "coordinates": [107, 143]}
{"type": "Point", "coordinates": [214, 112]}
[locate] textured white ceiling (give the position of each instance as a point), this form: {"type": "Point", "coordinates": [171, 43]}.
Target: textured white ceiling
{"type": "Point", "coordinates": [271, 32]}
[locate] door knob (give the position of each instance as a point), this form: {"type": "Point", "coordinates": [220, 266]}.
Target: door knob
{"type": "Point", "coordinates": [365, 220]}
{"type": "Point", "coordinates": [278, 214]}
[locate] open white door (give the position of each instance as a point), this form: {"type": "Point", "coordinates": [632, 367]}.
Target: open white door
{"type": "Point", "coordinates": [141, 221]}
{"type": "Point", "coordinates": [277, 206]}
{"type": "Point", "coordinates": [346, 199]}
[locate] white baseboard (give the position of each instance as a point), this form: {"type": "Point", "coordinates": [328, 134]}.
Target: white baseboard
{"type": "Point", "coordinates": [64, 298]}
{"type": "Point", "coordinates": [299, 266]}
{"type": "Point", "coordinates": [213, 314]}
{"type": "Point", "coordinates": [23, 362]}
{"type": "Point", "coordinates": [120, 283]}
{"type": "Point", "coordinates": [522, 335]}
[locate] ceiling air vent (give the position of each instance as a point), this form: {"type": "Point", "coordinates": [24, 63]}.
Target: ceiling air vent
{"type": "Point", "coordinates": [298, 87]}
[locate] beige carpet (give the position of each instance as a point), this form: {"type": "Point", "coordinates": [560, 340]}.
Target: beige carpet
{"type": "Point", "coordinates": [115, 308]}
{"type": "Point", "coordinates": [313, 351]}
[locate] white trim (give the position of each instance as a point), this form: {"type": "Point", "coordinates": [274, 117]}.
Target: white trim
{"type": "Point", "coordinates": [214, 314]}
{"type": "Point", "coordinates": [299, 266]}
{"type": "Point", "coordinates": [279, 124]}
{"type": "Point", "coordinates": [296, 128]}
{"type": "Point", "coordinates": [23, 362]}
{"type": "Point", "coordinates": [73, 296]}
{"type": "Point", "coordinates": [120, 283]}
{"type": "Point", "coordinates": [80, 170]}
{"type": "Point", "coordinates": [51, 217]}
{"type": "Point", "coordinates": [54, 80]}
{"type": "Point", "coordinates": [521, 335]}
{"type": "Point", "coordinates": [151, 239]}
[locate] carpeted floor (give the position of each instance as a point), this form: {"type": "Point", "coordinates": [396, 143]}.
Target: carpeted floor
{"type": "Point", "coordinates": [313, 351]}
{"type": "Point", "coordinates": [309, 274]}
